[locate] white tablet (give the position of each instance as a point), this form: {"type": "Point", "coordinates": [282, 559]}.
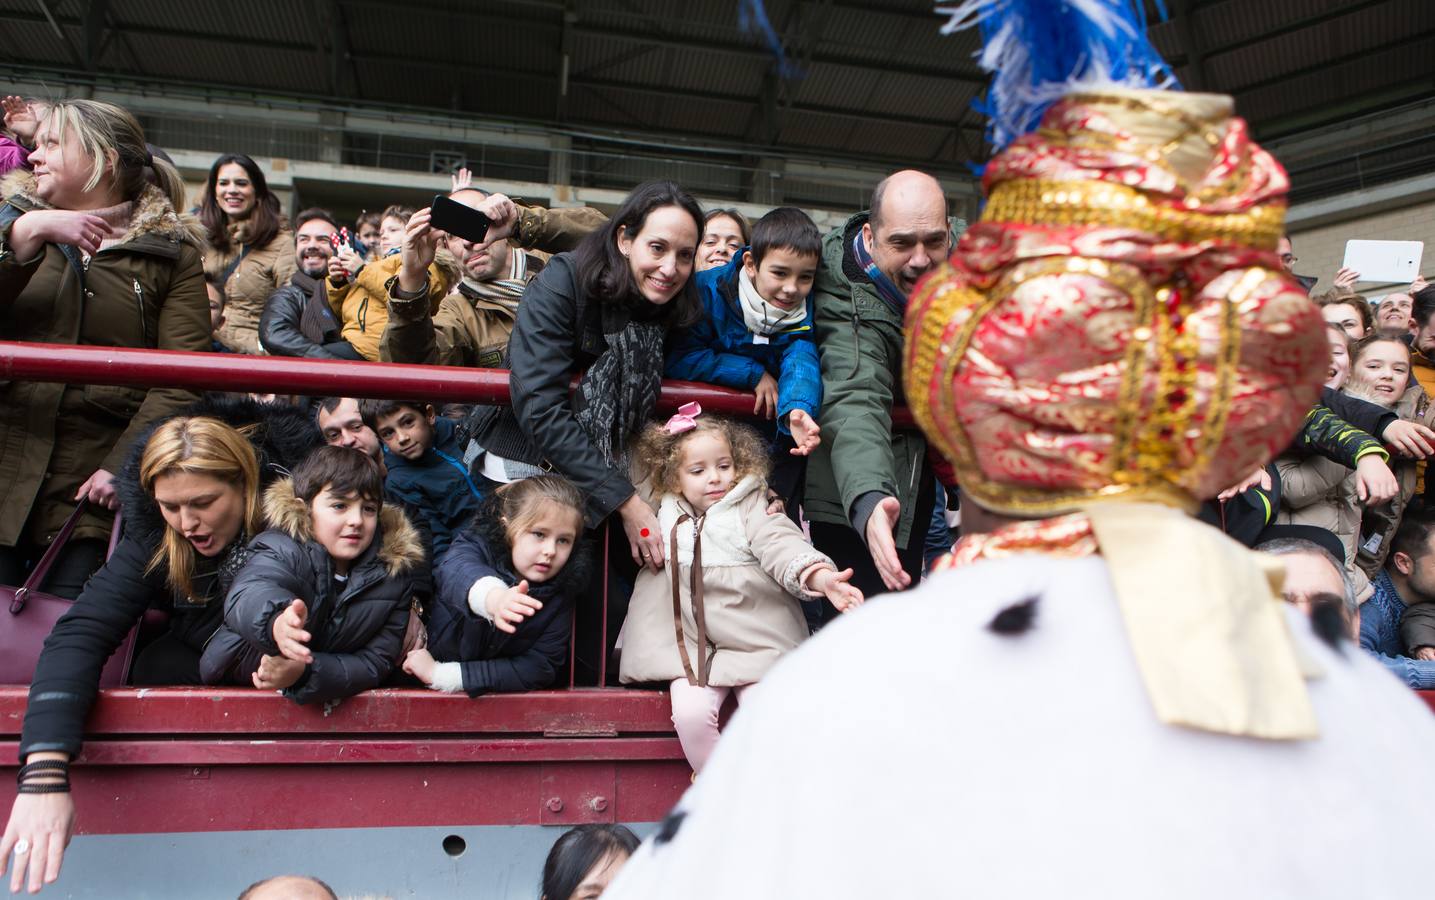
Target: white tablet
{"type": "Point", "coordinates": [1394, 262]}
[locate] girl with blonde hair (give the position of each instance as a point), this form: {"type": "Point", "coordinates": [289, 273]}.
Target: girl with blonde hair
{"type": "Point", "coordinates": [725, 608]}
{"type": "Point", "coordinates": [92, 251]}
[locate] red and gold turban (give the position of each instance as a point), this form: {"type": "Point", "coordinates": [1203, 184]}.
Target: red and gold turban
{"type": "Point", "coordinates": [1117, 325]}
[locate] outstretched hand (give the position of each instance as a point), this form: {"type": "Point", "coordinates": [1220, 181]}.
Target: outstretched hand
{"type": "Point", "coordinates": [805, 433]}
{"type": "Point", "coordinates": [1410, 438]}
{"type": "Point", "coordinates": [289, 634]}
{"type": "Point", "coordinates": [836, 587]}
{"type": "Point", "coordinates": [20, 118]}
{"type": "Point", "coordinates": [881, 543]}
{"type": "Point", "coordinates": [510, 606]}
{"type": "Point", "coordinates": [1374, 482]}
{"type": "Point", "coordinates": [1259, 477]}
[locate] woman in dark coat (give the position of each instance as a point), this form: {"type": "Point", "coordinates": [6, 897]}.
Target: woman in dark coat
{"type": "Point", "coordinates": [190, 494]}
{"type": "Point", "coordinates": [606, 307]}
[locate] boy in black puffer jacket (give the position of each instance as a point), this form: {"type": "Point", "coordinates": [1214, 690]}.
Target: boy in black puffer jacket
{"type": "Point", "coordinates": [320, 608]}
{"type": "Point", "coordinates": [505, 593]}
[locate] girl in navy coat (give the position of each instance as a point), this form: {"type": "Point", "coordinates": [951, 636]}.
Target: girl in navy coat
{"type": "Point", "coordinates": [505, 593]}
{"type": "Point", "coordinates": [756, 336]}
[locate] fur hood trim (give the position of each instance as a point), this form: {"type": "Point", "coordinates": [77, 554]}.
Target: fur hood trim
{"type": "Point", "coordinates": [153, 214]}
{"type": "Point", "coordinates": [400, 548]}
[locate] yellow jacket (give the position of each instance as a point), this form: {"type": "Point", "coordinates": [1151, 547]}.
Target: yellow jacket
{"type": "Point", "coordinates": [362, 304]}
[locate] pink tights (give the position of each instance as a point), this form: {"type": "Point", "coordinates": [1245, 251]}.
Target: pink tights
{"type": "Point", "coordinates": [695, 715]}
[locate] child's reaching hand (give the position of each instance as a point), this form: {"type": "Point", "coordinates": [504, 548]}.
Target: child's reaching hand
{"type": "Point", "coordinates": [510, 606]}
{"type": "Point", "coordinates": [420, 664]}
{"type": "Point", "coordinates": [805, 433]}
{"type": "Point", "coordinates": [1425, 653]}
{"type": "Point", "coordinates": [833, 585]}
{"type": "Point", "coordinates": [21, 119]}
{"type": "Point", "coordinates": [289, 634]}
{"type": "Point", "coordinates": [275, 673]}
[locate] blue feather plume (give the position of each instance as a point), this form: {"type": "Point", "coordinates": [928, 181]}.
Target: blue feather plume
{"type": "Point", "coordinates": [752, 17]}
{"type": "Point", "coordinates": [1039, 50]}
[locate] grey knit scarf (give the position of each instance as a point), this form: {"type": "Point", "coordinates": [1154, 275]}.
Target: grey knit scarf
{"type": "Point", "coordinates": [620, 390]}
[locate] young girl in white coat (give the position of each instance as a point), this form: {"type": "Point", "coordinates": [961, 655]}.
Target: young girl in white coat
{"type": "Point", "coordinates": [725, 607]}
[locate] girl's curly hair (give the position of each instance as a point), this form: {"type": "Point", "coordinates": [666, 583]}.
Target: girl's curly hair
{"type": "Point", "coordinates": [660, 455]}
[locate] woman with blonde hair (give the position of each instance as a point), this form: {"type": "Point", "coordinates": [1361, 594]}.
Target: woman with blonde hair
{"type": "Point", "coordinates": [191, 496]}
{"type": "Point", "coordinates": [92, 251]}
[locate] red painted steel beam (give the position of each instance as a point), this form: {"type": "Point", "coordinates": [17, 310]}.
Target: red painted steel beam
{"type": "Point", "coordinates": [126, 367]}
{"type": "Point", "coordinates": [189, 751]}
{"type": "Point", "coordinates": [178, 799]}
{"type": "Point", "coordinates": [223, 711]}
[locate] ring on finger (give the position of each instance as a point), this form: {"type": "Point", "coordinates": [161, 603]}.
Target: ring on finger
{"type": "Point", "coordinates": [22, 847]}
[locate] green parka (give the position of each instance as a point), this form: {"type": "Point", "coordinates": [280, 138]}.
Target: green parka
{"type": "Point", "coordinates": [145, 291]}
{"type": "Point", "coordinates": [859, 342]}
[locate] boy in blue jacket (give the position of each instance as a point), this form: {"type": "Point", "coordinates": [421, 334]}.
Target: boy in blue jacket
{"type": "Point", "coordinates": [757, 336]}
{"type": "Point", "coordinates": [424, 460]}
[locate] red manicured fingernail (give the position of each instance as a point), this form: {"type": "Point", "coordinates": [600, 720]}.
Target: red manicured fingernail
{"type": "Point", "coordinates": [642, 532]}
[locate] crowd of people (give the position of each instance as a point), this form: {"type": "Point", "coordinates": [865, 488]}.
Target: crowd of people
{"type": "Point", "coordinates": [325, 546]}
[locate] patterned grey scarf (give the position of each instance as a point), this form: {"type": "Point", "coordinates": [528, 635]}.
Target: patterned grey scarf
{"type": "Point", "coordinates": [620, 390]}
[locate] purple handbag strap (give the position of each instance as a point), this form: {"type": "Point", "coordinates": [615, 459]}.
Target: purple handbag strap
{"type": "Point", "coordinates": [42, 568]}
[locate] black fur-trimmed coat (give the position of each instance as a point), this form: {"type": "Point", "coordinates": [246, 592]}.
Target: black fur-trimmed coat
{"type": "Point", "coordinates": [116, 597]}
{"type": "Point", "coordinates": [357, 625]}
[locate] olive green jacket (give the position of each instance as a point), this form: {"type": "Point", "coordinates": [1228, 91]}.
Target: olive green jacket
{"type": "Point", "coordinates": [859, 343]}
{"type": "Point", "coordinates": [145, 291]}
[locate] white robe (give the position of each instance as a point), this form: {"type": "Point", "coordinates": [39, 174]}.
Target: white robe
{"type": "Point", "coordinates": [910, 751]}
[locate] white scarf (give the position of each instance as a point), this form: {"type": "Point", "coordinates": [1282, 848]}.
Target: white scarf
{"type": "Point", "coordinates": [762, 317]}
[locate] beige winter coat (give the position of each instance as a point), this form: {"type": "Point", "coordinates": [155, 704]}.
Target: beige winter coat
{"type": "Point", "coordinates": [752, 565]}
{"type": "Point", "coordinates": [1321, 492]}
{"type": "Point", "coordinates": [263, 271]}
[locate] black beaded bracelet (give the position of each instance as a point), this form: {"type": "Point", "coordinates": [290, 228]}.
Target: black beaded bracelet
{"type": "Point", "coordinates": [46, 766]}
{"type": "Point", "coordinates": [32, 787]}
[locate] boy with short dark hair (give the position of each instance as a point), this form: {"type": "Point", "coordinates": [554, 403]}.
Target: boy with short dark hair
{"type": "Point", "coordinates": [424, 458]}
{"type": "Point", "coordinates": [321, 606]}
{"type": "Point", "coordinates": [757, 336]}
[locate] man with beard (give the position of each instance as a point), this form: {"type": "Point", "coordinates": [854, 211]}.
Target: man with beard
{"type": "Point", "coordinates": [297, 320]}
{"type": "Point", "coordinates": [870, 489]}
{"type": "Point", "coordinates": [473, 322]}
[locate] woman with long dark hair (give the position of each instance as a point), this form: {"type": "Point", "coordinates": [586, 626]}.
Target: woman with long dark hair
{"type": "Point", "coordinates": [604, 310]}
{"type": "Point", "coordinates": [250, 251]}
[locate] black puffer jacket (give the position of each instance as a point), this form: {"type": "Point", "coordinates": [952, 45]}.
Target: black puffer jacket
{"type": "Point", "coordinates": [358, 629]}
{"type": "Point", "coordinates": [492, 660]}
{"type": "Point", "coordinates": [116, 597]}
{"type": "Point", "coordinates": [558, 333]}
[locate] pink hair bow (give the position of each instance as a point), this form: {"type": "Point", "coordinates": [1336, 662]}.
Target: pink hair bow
{"type": "Point", "coordinates": [685, 419]}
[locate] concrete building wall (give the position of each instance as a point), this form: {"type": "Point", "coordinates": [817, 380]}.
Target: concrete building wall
{"type": "Point", "coordinates": [1322, 249]}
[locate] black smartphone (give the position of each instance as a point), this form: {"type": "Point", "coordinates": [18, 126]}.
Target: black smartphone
{"type": "Point", "coordinates": [459, 220]}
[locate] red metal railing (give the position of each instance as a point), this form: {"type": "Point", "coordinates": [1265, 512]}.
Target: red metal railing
{"type": "Point", "coordinates": [126, 367]}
